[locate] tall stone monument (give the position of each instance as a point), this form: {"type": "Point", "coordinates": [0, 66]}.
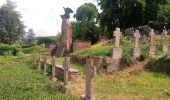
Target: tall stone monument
{"type": "Point", "coordinates": [66, 30]}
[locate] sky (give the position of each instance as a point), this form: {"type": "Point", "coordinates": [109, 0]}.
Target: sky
{"type": "Point", "coordinates": [44, 15]}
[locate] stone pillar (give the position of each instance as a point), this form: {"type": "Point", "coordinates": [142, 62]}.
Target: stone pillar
{"type": "Point", "coordinates": [89, 77]}
{"type": "Point", "coordinates": [66, 36]}
{"type": "Point", "coordinates": [45, 65]}
{"type": "Point", "coordinates": [54, 79]}
{"type": "Point", "coordinates": [66, 65]}
{"type": "Point", "coordinates": [39, 63]}
{"type": "Point", "coordinates": [136, 49]}
{"type": "Point", "coordinates": [152, 47]}
{"type": "Point", "coordinates": [116, 53]}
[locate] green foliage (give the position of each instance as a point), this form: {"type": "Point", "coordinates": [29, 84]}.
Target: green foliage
{"type": "Point", "coordinates": [30, 38]}
{"type": "Point", "coordinates": [11, 27]}
{"type": "Point", "coordinates": [129, 13]}
{"type": "Point", "coordinates": [9, 49]}
{"type": "Point", "coordinates": [160, 64]}
{"type": "Point", "coordinates": [127, 46]}
{"type": "Point", "coordinates": [86, 12]}
{"type": "Point", "coordinates": [144, 52]}
{"type": "Point", "coordinates": [96, 50]}
{"type": "Point", "coordinates": [45, 40]}
{"type": "Point", "coordinates": [85, 27]}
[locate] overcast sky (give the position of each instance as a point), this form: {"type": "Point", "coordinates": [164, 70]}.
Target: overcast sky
{"type": "Point", "coordinates": [44, 15]}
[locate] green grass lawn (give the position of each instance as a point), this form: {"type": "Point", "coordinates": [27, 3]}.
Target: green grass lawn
{"type": "Point", "coordinates": [19, 80]}
{"type": "Point", "coordinates": [145, 86]}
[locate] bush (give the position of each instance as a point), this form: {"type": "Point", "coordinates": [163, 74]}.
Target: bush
{"type": "Point", "coordinates": [160, 64]}
{"type": "Point", "coordinates": [14, 49]}
{"type": "Point", "coordinates": [127, 46]}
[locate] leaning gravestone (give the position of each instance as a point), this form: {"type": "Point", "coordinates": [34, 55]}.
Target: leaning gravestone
{"type": "Point", "coordinates": [136, 49]}
{"type": "Point", "coordinates": [152, 47]}
{"type": "Point", "coordinates": [60, 51]}
{"type": "Point", "coordinates": [89, 70]}
{"type": "Point", "coordinates": [45, 64]}
{"type": "Point", "coordinates": [117, 52]}
{"type": "Point", "coordinates": [66, 72]}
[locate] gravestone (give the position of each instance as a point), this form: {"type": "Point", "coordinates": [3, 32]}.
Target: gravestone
{"type": "Point", "coordinates": [66, 65]}
{"type": "Point", "coordinates": [54, 79]}
{"type": "Point", "coordinates": [89, 70]}
{"type": "Point", "coordinates": [60, 51]}
{"type": "Point", "coordinates": [116, 53]}
{"type": "Point", "coordinates": [39, 63]}
{"type": "Point", "coordinates": [136, 50]}
{"type": "Point", "coordinates": [45, 65]}
{"type": "Point", "coordinates": [152, 48]}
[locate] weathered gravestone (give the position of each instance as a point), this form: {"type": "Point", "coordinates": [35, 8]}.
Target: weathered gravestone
{"type": "Point", "coordinates": [89, 70]}
{"type": "Point", "coordinates": [45, 64]}
{"type": "Point", "coordinates": [66, 65]}
{"type": "Point", "coordinates": [117, 52]}
{"type": "Point", "coordinates": [151, 45]}
{"type": "Point", "coordinates": [136, 49]}
{"type": "Point", "coordinates": [39, 63]}
{"type": "Point", "coordinates": [60, 51]}
{"type": "Point", "coordinates": [54, 79]}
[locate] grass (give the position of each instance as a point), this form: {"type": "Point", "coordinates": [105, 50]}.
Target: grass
{"type": "Point", "coordinates": [96, 50]}
{"type": "Point", "coordinates": [72, 65]}
{"type": "Point", "coordinates": [145, 86]}
{"type": "Point", "coordinates": [20, 81]}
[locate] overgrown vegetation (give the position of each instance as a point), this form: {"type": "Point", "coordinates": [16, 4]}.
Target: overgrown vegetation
{"type": "Point", "coordinates": [160, 64]}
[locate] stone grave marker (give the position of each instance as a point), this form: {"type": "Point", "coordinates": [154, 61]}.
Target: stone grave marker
{"type": "Point", "coordinates": [39, 63]}
{"type": "Point", "coordinates": [117, 34]}
{"type": "Point", "coordinates": [89, 70]}
{"type": "Point", "coordinates": [152, 48]}
{"type": "Point", "coordinates": [60, 51]}
{"type": "Point", "coordinates": [117, 52]}
{"type": "Point", "coordinates": [136, 50]}
{"type": "Point", "coordinates": [45, 64]}
{"type": "Point", "coordinates": [66, 66]}
{"type": "Point", "coordinates": [54, 79]}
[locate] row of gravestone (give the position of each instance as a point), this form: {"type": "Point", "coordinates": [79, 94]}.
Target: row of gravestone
{"type": "Point", "coordinates": [117, 50]}
{"type": "Point", "coordinates": [89, 71]}
{"type": "Point", "coordinates": [42, 62]}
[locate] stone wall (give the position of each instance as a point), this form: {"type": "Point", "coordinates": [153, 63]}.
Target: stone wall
{"type": "Point", "coordinates": [81, 45]}
{"type": "Point", "coordinates": [82, 61]}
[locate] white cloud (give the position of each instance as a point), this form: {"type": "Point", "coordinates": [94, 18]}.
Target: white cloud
{"type": "Point", "coordinates": [44, 15]}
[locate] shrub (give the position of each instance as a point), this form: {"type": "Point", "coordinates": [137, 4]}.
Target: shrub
{"type": "Point", "coordinates": [160, 64]}
{"type": "Point", "coordinates": [14, 49]}
{"type": "Point", "coordinates": [127, 46]}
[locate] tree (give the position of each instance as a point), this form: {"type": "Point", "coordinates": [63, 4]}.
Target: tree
{"type": "Point", "coordinates": [11, 27]}
{"type": "Point", "coordinates": [45, 40]}
{"type": "Point", "coordinates": [85, 27]}
{"type": "Point", "coordinates": [30, 36]}
{"type": "Point", "coordinates": [128, 13]}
